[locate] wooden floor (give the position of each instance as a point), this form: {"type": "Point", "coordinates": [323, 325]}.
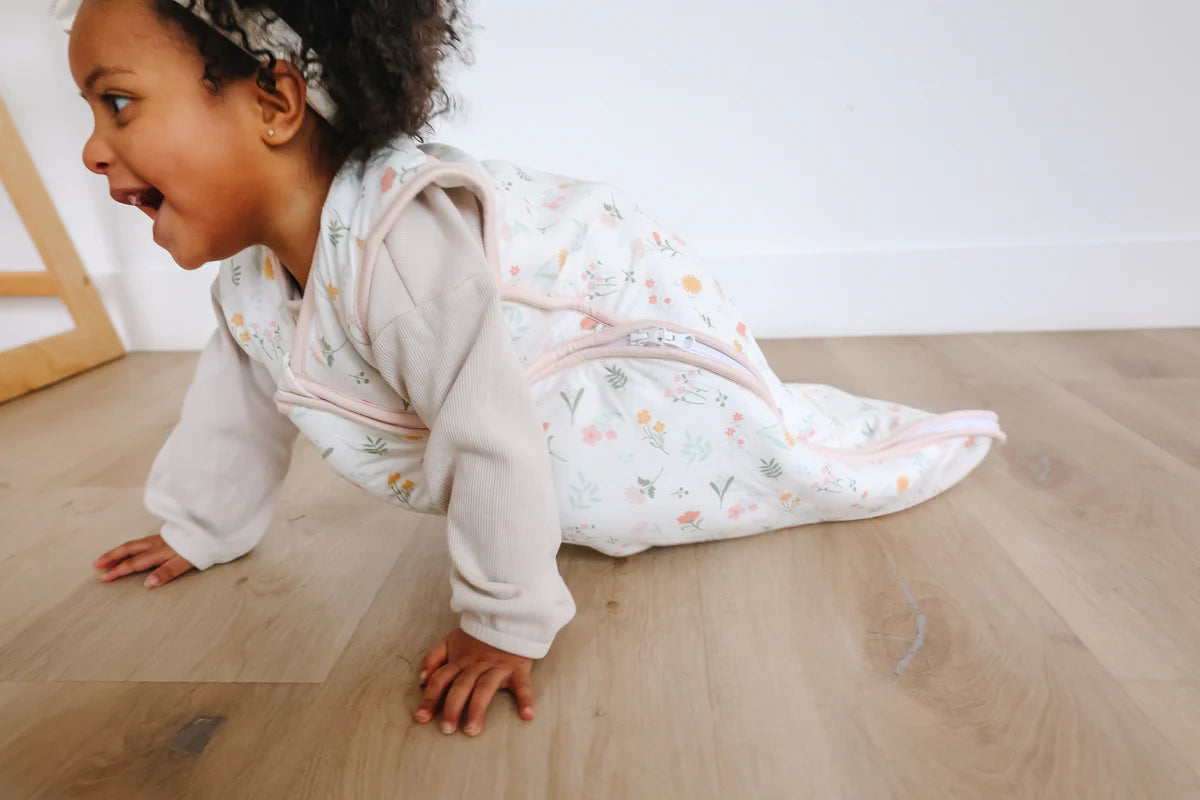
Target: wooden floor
{"type": "Point", "coordinates": [1035, 632]}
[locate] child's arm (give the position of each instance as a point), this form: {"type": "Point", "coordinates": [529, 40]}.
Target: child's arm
{"type": "Point", "coordinates": [215, 480]}
{"type": "Point", "coordinates": [438, 330]}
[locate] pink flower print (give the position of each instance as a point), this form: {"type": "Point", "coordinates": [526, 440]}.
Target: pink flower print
{"type": "Point", "coordinates": [678, 377]}
{"type": "Point", "coordinates": [754, 507]}
{"type": "Point", "coordinates": [591, 435]}
{"type": "Point", "coordinates": [591, 286]}
{"type": "Point", "coordinates": [668, 300]}
{"type": "Point", "coordinates": [649, 283]}
{"type": "Point", "coordinates": [514, 270]}
{"type": "Point", "coordinates": [634, 496]}
{"type": "Point", "coordinates": [587, 323]}
{"type": "Point", "coordinates": [610, 434]}
{"type": "Point", "coordinates": [730, 431]}
{"type": "Point", "coordinates": [736, 511]}
{"type": "Point", "coordinates": [389, 178]}
{"type": "Point", "coordinates": [545, 427]}
{"type": "Point", "coordinates": [653, 298]}
{"type": "Point", "coordinates": [737, 417]}
{"type": "Point", "coordinates": [741, 329]}
{"type": "Point", "coordinates": [864, 495]}
{"type": "Point", "coordinates": [741, 441]}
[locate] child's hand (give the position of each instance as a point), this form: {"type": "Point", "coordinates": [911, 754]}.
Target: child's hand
{"type": "Point", "coordinates": [470, 668]}
{"type": "Point", "coordinates": [143, 554]}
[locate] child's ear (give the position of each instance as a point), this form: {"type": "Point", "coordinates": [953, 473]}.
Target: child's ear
{"type": "Point", "coordinates": [283, 110]}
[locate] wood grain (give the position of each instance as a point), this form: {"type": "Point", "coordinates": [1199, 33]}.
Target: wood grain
{"type": "Point", "coordinates": [1035, 632]}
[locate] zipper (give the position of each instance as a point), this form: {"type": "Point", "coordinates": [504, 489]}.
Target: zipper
{"type": "Point", "coordinates": [661, 337]}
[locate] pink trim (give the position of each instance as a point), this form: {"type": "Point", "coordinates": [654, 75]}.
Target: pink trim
{"type": "Point", "coordinates": [355, 405]}
{"type": "Point", "coordinates": [633, 351]}
{"type": "Point", "coordinates": [447, 176]}
{"type": "Point", "coordinates": [907, 433]}
{"type": "Point", "coordinates": [906, 448]}
{"type": "Point", "coordinates": [285, 398]}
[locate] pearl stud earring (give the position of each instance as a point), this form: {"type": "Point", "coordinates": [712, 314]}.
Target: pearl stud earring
{"type": "Point", "coordinates": [270, 133]}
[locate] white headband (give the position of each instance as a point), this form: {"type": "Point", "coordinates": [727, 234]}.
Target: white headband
{"type": "Point", "coordinates": [271, 35]}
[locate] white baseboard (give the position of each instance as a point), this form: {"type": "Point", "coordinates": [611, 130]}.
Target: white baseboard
{"type": "Point", "coordinates": [967, 290]}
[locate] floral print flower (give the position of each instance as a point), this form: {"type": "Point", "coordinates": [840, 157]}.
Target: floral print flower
{"type": "Point", "coordinates": [643, 417]}
{"type": "Point", "coordinates": [332, 291]}
{"type": "Point", "coordinates": [649, 283]}
{"type": "Point", "coordinates": [269, 269]}
{"type": "Point", "coordinates": [634, 495]}
{"type": "Point", "coordinates": [591, 435]}
{"type": "Point", "coordinates": [653, 299]}
{"type": "Point", "coordinates": [514, 270]}
{"type": "Point", "coordinates": [659, 426]}
{"type": "Point", "coordinates": [737, 417]}
{"type": "Point", "coordinates": [741, 329]}
{"type": "Point", "coordinates": [237, 320]}
{"type": "Point", "coordinates": [389, 178]}
{"type": "Point", "coordinates": [736, 511]}
{"type": "Point", "coordinates": [245, 337]}
{"type": "Point", "coordinates": [691, 284]}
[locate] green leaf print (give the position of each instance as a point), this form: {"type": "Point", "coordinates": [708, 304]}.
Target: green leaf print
{"type": "Point", "coordinates": [616, 377]}
{"type": "Point", "coordinates": [361, 378]}
{"type": "Point", "coordinates": [721, 490]}
{"type": "Point", "coordinates": [513, 319]}
{"type": "Point", "coordinates": [772, 434]}
{"type": "Point", "coordinates": [584, 494]}
{"type": "Point", "coordinates": [770, 468]}
{"type": "Point", "coordinates": [375, 447]}
{"type": "Point", "coordinates": [571, 404]}
{"type": "Point", "coordinates": [696, 449]}
{"type": "Point", "coordinates": [327, 452]}
{"type": "Point", "coordinates": [337, 229]}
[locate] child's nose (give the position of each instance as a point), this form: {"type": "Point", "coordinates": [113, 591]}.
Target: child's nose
{"type": "Point", "coordinates": [96, 156]}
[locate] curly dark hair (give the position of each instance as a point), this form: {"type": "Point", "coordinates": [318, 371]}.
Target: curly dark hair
{"type": "Point", "coordinates": [379, 60]}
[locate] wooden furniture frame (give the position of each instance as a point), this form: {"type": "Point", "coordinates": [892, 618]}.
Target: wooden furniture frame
{"type": "Point", "coordinates": [93, 341]}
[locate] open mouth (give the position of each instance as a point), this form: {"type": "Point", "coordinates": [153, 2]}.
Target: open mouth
{"type": "Point", "coordinates": [146, 198]}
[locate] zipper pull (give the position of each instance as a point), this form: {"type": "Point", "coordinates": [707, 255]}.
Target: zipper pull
{"type": "Point", "coordinates": [661, 337]}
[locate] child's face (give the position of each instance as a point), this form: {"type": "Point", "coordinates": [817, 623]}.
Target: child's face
{"type": "Point", "coordinates": [193, 162]}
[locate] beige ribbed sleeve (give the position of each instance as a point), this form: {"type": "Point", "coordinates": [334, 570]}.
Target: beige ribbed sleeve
{"type": "Point", "coordinates": [438, 335]}
{"type": "Point", "coordinates": [215, 480]}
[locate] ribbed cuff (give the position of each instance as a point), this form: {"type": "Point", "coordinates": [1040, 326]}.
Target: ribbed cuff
{"type": "Point", "coordinates": [503, 641]}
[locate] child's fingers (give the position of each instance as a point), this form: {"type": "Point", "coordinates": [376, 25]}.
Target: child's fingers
{"type": "Point", "coordinates": [123, 551]}
{"type": "Point", "coordinates": [433, 661]}
{"type": "Point", "coordinates": [434, 689]}
{"type": "Point", "coordinates": [137, 563]}
{"type": "Point", "coordinates": [485, 689]}
{"type": "Point", "coordinates": [457, 697]}
{"type": "Point", "coordinates": [520, 685]}
{"type": "Point", "coordinates": [172, 569]}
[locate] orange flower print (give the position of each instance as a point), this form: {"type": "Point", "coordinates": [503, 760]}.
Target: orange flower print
{"type": "Point", "coordinates": [738, 345]}
{"type": "Point", "coordinates": [741, 329]}
{"type": "Point", "coordinates": [587, 323]}
{"type": "Point", "coordinates": [691, 284]}
{"type": "Point", "coordinates": [737, 417]}
{"type": "Point", "coordinates": [358, 242]}
{"type": "Point", "coordinates": [643, 417]}
{"type": "Point", "coordinates": [785, 496]}
{"type": "Point", "coordinates": [730, 431]}
{"type": "Point", "coordinates": [395, 476]}
{"type": "Point", "coordinates": [741, 441]}
{"type": "Point", "coordinates": [562, 259]}
{"type": "Point", "coordinates": [788, 438]}
{"type": "Point", "coordinates": [406, 485]}
{"type": "Point", "coordinates": [245, 337]}
{"type": "Point", "coordinates": [332, 291]}
{"type": "Point", "coordinates": [688, 516]}
{"type": "Point", "coordinates": [657, 240]}
{"type": "Point", "coordinates": [902, 483]}
{"type": "Point", "coordinates": [269, 269]}
{"type": "Point", "coordinates": [413, 438]}
{"type": "Point", "coordinates": [237, 320]}
{"type": "Point", "coordinates": [658, 427]}
{"type": "Point", "coordinates": [389, 178]}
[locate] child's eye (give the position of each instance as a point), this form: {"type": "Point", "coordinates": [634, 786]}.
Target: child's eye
{"type": "Point", "coordinates": [112, 101]}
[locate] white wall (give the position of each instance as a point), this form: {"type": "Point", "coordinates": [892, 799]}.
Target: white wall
{"type": "Point", "coordinates": [898, 167]}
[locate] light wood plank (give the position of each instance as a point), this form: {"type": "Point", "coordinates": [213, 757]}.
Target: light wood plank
{"type": "Point", "coordinates": [28, 284]}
